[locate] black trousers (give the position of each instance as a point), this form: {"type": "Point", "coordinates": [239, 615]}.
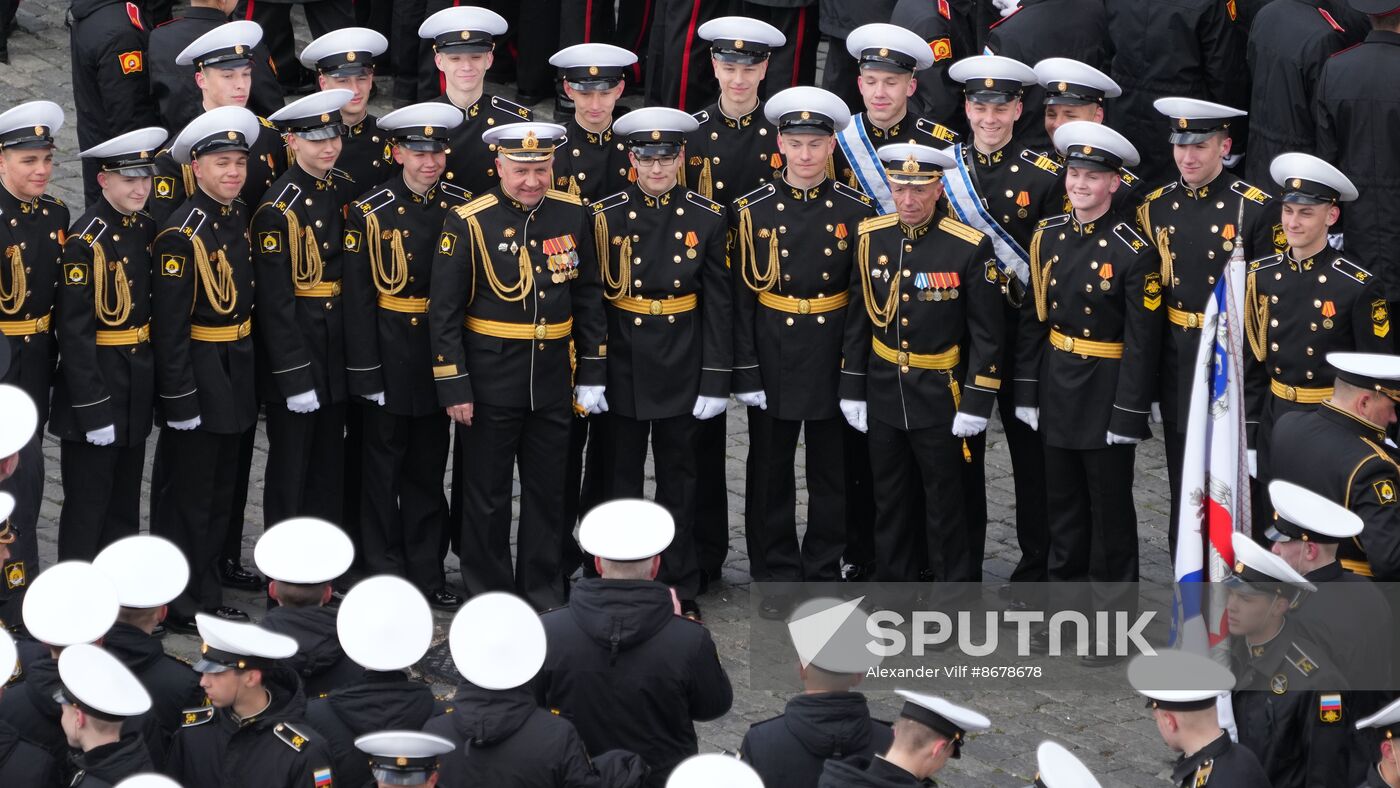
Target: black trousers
{"type": "Point", "coordinates": [1093, 523]}
{"type": "Point", "coordinates": [840, 74]}
{"type": "Point", "coordinates": [712, 503]}
{"type": "Point", "coordinates": [860, 500]}
{"type": "Point", "coordinates": [1176, 455]}
{"type": "Point", "coordinates": [403, 510]}
{"type": "Point", "coordinates": [233, 541]}
{"type": "Point", "coordinates": [27, 487]}
{"type": "Point", "coordinates": [353, 463]}
{"type": "Point", "coordinates": [305, 464]}
{"type": "Point", "coordinates": [322, 16]}
{"type": "Point", "coordinates": [101, 497]}
{"type": "Point", "coordinates": [774, 531]}
{"type": "Point", "coordinates": [796, 63]}
{"type": "Point", "coordinates": [499, 439]}
{"type": "Point", "coordinates": [678, 59]}
{"type": "Point", "coordinates": [192, 507]}
{"type": "Point", "coordinates": [914, 542]}
{"type": "Point", "coordinates": [585, 483]}
{"type": "Point", "coordinates": [674, 457]}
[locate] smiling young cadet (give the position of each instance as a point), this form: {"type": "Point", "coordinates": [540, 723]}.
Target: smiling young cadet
{"type": "Point", "coordinates": [344, 59]}
{"type": "Point", "coordinates": [1075, 91]}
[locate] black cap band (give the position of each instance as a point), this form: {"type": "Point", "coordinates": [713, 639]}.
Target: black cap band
{"type": "Point", "coordinates": [1070, 93]}
{"type": "Point", "coordinates": [887, 59]}
{"type": "Point", "coordinates": [739, 50]}
{"type": "Point", "coordinates": [993, 91]}
{"type": "Point", "coordinates": [806, 120]}
{"type": "Point", "coordinates": [602, 77]}
{"type": "Point", "coordinates": [345, 63]}
{"type": "Point", "coordinates": [228, 659]}
{"type": "Point", "coordinates": [1306, 192]}
{"type": "Point", "coordinates": [63, 696]}
{"type": "Point", "coordinates": [940, 724]}
{"type": "Point", "coordinates": [219, 142]}
{"type": "Point", "coordinates": [1181, 705]}
{"type": "Point", "coordinates": [226, 57]}
{"type": "Point", "coordinates": [134, 164]}
{"type": "Point", "coordinates": [27, 137]}
{"type": "Point", "coordinates": [1092, 158]}
{"type": "Point", "coordinates": [466, 41]}
{"type": "Point", "coordinates": [329, 121]}
{"type": "Point", "coordinates": [429, 139]}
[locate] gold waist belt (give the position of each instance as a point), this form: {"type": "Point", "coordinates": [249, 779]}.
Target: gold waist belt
{"type": "Point", "coordinates": [804, 306]}
{"type": "Point", "coordinates": [411, 306]}
{"type": "Point", "coordinates": [665, 306]}
{"type": "Point", "coordinates": [124, 337]}
{"type": "Point", "coordinates": [1185, 319]}
{"type": "Point", "coordinates": [502, 330]}
{"type": "Point", "coordinates": [1305, 395]}
{"type": "Point", "coordinates": [1085, 347]}
{"type": "Point", "coordinates": [25, 328]}
{"type": "Point", "coordinates": [942, 362]}
{"type": "Point", "coordinates": [322, 290]}
{"type": "Point", "coordinates": [222, 333]}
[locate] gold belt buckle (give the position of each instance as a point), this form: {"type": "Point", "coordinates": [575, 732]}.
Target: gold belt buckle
{"type": "Point", "coordinates": [804, 307]}
{"type": "Point", "coordinates": [540, 331]}
{"type": "Point", "coordinates": [1193, 320]}
{"type": "Point", "coordinates": [902, 358]}
{"type": "Point", "coordinates": [1069, 344]}
{"type": "Point", "coordinates": [1290, 393]}
{"type": "Point", "coordinates": [143, 334]}
{"type": "Point", "coordinates": [244, 329]}
{"type": "Point", "coordinates": [335, 288]}
{"type": "Point", "coordinates": [655, 308]}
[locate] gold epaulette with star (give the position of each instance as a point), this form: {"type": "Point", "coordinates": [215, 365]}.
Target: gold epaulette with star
{"type": "Point", "coordinates": [936, 130]}
{"type": "Point", "coordinates": [453, 190]}
{"type": "Point", "coordinates": [611, 201]}
{"type": "Point", "coordinates": [855, 194]}
{"type": "Point", "coordinates": [1129, 237]}
{"type": "Point", "coordinates": [957, 229]}
{"type": "Point", "coordinates": [1264, 262]}
{"type": "Point", "coordinates": [761, 193]}
{"type": "Point", "coordinates": [1042, 161]}
{"type": "Point", "coordinates": [877, 223]}
{"type": "Point", "coordinates": [1347, 268]}
{"type": "Point", "coordinates": [1300, 660]}
{"type": "Point", "coordinates": [93, 231]}
{"type": "Point", "coordinates": [1159, 192]}
{"type": "Point", "coordinates": [506, 105]}
{"type": "Point", "coordinates": [287, 198]}
{"type": "Point", "coordinates": [290, 736]}
{"type": "Point", "coordinates": [1251, 193]}
{"type": "Point", "coordinates": [704, 202]}
{"type": "Point", "coordinates": [1052, 221]}
{"type": "Point", "coordinates": [555, 194]}
{"type": "Point", "coordinates": [196, 716]}
{"type": "Point", "coordinates": [374, 202]}
{"type": "Point", "coordinates": [266, 123]}
{"type": "Point", "coordinates": [475, 206]}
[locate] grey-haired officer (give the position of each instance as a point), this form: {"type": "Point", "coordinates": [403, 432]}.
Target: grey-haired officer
{"type": "Point", "coordinates": [148, 573]}
{"type": "Point", "coordinates": [32, 228]}
{"type": "Point", "coordinates": [201, 306]}
{"type": "Point", "coordinates": [1382, 731]}
{"type": "Point", "coordinates": [344, 60]}
{"type": "Point", "coordinates": [1183, 689]}
{"type": "Point", "coordinates": [924, 368]}
{"type": "Point", "coordinates": [104, 390]}
{"type": "Point", "coordinates": [101, 699]}
{"type": "Point", "coordinates": [404, 757]}
{"type": "Point", "coordinates": [297, 239]}
{"type": "Point", "coordinates": [252, 731]}
{"type": "Point", "coordinates": [502, 360]}
{"type": "Point", "coordinates": [791, 257]}
{"type": "Point", "coordinates": [464, 43]}
{"type": "Point", "coordinates": [22, 762]}
{"type": "Point", "coordinates": [385, 627]}
{"type": "Point", "coordinates": [670, 329]}
{"type": "Point", "coordinates": [930, 730]}
{"type": "Point", "coordinates": [391, 234]}
{"type": "Point", "coordinates": [223, 59]}
{"type": "Point", "coordinates": [596, 164]}
{"type": "Point", "coordinates": [1289, 701]}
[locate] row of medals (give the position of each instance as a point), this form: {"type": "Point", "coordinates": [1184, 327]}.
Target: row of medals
{"type": "Point", "coordinates": [937, 294]}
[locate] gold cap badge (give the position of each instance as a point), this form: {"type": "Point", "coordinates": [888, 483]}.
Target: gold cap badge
{"type": "Point", "coordinates": [989, 82]}
{"type": "Point", "coordinates": [656, 135]}
{"type": "Point", "coordinates": [1182, 123]}
{"type": "Point", "coordinates": [325, 118]}
{"type": "Point", "coordinates": [233, 135]}
{"type": "Point", "coordinates": [1062, 87]}
{"type": "Point", "coordinates": [530, 142]}
{"type": "Point", "coordinates": [911, 164]}
{"type": "Point", "coordinates": [350, 57]}
{"type": "Point", "coordinates": [593, 71]}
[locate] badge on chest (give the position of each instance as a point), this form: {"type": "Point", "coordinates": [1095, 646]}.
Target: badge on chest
{"type": "Point", "coordinates": [563, 258]}
{"type": "Point", "coordinates": [937, 286]}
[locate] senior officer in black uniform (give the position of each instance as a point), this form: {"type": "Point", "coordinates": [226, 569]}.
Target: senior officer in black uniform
{"type": "Point", "coordinates": [223, 60]}
{"type": "Point", "coordinates": [387, 354]}
{"type": "Point", "coordinates": [464, 42]}
{"type": "Point", "coordinates": [794, 244]}
{"type": "Point", "coordinates": [1305, 302]}
{"type": "Point", "coordinates": [173, 85]}
{"type": "Point", "coordinates": [1289, 700]}
{"type": "Point", "coordinates": [111, 76]}
{"type": "Point", "coordinates": [670, 328]}
{"type": "Point", "coordinates": [252, 730]}
{"type": "Point", "coordinates": [1339, 450]}
{"type": "Point", "coordinates": [21, 761]}
{"type": "Point", "coordinates": [344, 59]}
{"type": "Point", "coordinates": [1087, 362]}
{"type": "Point", "coordinates": [201, 307]}
{"type": "Point", "coordinates": [1182, 689]}
{"type": "Point", "coordinates": [1195, 222]}
{"type": "Point", "coordinates": [32, 228]}
{"type": "Point", "coordinates": [297, 243]}
{"type": "Point", "coordinates": [518, 264]}
{"type": "Point", "coordinates": [929, 289]}
{"type": "Point", "coordinates": [104, 393]}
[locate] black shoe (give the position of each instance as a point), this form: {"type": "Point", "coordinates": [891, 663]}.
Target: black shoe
{"type": "Point", "coordinates": [774, 608]}
{"type": "Point", "coordinates": [691, 610]}
{"type": "Point", "coordinates": [182, 625]}
{"type": "Point", "coordinates": [233, 575]}
{"type": "Point", "coordinates": [442, 599]}
{"type": "Point", "coordinates": [228, 613]}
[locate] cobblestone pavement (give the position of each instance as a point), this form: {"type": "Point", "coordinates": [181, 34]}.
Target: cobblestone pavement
{"type": "Point", "coordinates": [1112, 733]}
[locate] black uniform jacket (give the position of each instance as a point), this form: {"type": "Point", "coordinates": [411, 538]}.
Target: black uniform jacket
{"type": "Point", "coordinates": [1221, 763]}
{"type": "Point", "coordinates": [793, 246]}
{"type": "Point", "coordinates": [320, 661]}
{"type": "Point", "coordinates": [591, 165]}
{"type": "Point", "coordinates": [1018, 187]}
{"type": "Point", "coordinates": [204, 278]}
{"type": "Point", "coordinates": [630, 674]}
{"type": "Point", "coordinates": [727, 157]}
{"type": "Point", "coordinates": [366, 154]}
{"type": "Point", "coordinates": [658, 254]}
{"type": "Point", "coordinates": [910, 128]}
{"type": "Point", "coordinates": [949, 38]}
{"type": "Point", "coordinates": [23, 762]}
{"type": "Point", "coordinates": [386, 292]}
{"type": "Point", "coordinates": [111, 76]}
{"type": "Point", "coordinates": [789, 750]}
{"type": "Point", "coordinates": [31, 237]}
{"type": "Point", "coordinates": [172, 684]}
{"type": "Point", "coordinates": [383, 701]}
{"type": "Point", "coordinates": [173, 87]}
{"type": "Point", "coordinates": [516, 269]}
{"type": "Point", "coordinates": [1096, 281]}
{"type": "Point", "coordinates": [106, 253]}
{"type": "Point", "coordinates": [471, 164]}
{"type": "Point", "coordinates": [860, 771]}
{"type": "Point", "coordinates": [174, 183]}
{"type": "Point", "coordinates": [109, 764]}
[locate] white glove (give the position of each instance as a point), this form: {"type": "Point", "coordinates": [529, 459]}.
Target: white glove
{"type": "Point", "coordinates": [590, 398]}
{"type": "Point", "coordinates": [1335, 241]}
{"type": "Point", "coordinates": [753, 399]}
{"type": "Point", "coordinates": [1156, 416]}
{"type": "Point", "coordinates": [1006, 7]}
{"type": "Point", "coordinates": [187, 424]}
{"type": "Point", "coordinates": [1122, 440]}
{"type": "Point", "coordinates": [376, 398]}
{"type": "Point", "coordinates": [305, 402]}
{"type": "Point", "coordinates": [1252, 458]}
{"type": "Point", "coordinates": [709, 407]}
{"type": "Point", "coordinates": [966, 425]}
{"type": "Point", "coordinates": [1030, 416]}
{"type": "Point", "coordinates": [105, 436]}
{"type": "Point", "coordinates": [855, 412]}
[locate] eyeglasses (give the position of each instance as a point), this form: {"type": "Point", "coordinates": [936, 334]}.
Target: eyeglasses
{"type": "Point", "coordinates": [657, 161]}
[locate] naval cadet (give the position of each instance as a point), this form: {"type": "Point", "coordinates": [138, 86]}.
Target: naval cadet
{"type": "Point", "coordinates": [201, 307]}
{"type": "Point", "coordinates": [934, 331]}
{"type": "Point", "coordinates": [100, 698]}
{"type": "Point", "coordinates": [516, 320]}
{"type": "Point", "coordinates": [297, 242]}
{"type": "Point", "coordinates": [22, 762]}
{"type": "Point", "coordinates": [399, 757]}
{"type": "Point", "coordinates": [795, 246]}
{"type": "Point", "coordinates": [1289, 701]}
{"type": "Point", "coordinates": [344, 59]}
{"type": "Point", "coordinates": [33, 226]}
{"type": "Point", "coordinates": [251, 732]}
{"type": "Point", "coordinates": [1381, 730]}
{"type": "Point", "coordinates": [929, 731]}
{"type": "Point", "coordinates": [670, 330]}
{"type": "Point", "coordinates": [104, 390]}
{"type": "Point", "coordinates": [1196, 222]}
{"type": "Point", "coordinates": [1075, 91]}
{"type": "Point", "coordinates": [464, 43]}
{"type": "Point", "coordinates": [403, 513]}
{"type": "Point", "coordinates": [1183, 690]}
